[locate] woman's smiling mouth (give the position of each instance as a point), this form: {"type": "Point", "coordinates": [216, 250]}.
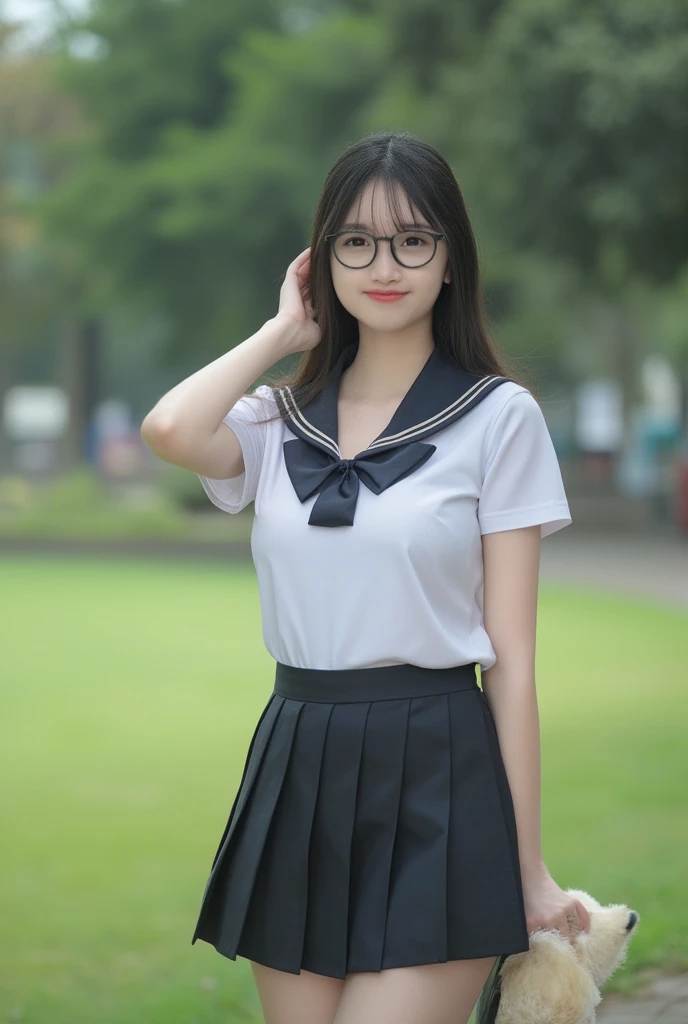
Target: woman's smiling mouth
{"type": "Point", "coordinates": [386, 296]}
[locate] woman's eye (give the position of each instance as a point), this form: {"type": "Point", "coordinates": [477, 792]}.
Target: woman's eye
{"type": "Point", "coordinates": [415, 239]}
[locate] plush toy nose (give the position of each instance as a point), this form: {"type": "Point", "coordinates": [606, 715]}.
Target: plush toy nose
{"type": "Point", "coordinates": [632, 919]}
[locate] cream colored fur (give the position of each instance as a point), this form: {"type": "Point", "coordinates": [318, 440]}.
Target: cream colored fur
{"type": "Point", "coordinates": [557, 982]}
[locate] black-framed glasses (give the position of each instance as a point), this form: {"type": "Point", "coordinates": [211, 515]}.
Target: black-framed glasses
{"type": "Point", "coordinates": [358, 249]}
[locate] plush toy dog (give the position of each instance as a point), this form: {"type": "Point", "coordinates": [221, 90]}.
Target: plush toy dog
{"type": "Point", "coordinates": [557, 981]}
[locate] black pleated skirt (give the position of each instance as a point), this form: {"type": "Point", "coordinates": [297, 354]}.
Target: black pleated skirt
{"type": "Point", "coordinates": [373, 827]}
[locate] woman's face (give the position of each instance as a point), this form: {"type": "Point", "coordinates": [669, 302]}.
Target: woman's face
{"type": "Point", "coordinates": [421, 285]}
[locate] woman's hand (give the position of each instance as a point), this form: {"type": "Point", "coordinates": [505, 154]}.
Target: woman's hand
{"type": "Point", "coordinates": [548, 906]}
{"type": "Point", "coordinates": [295, 303]}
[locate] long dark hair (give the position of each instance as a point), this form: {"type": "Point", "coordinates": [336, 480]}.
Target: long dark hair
{"type": "Point", "coordinates": [459, 324]}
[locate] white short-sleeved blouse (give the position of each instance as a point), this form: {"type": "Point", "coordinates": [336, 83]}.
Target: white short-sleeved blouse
{"type": "Point", "coordinates": [405, 583]}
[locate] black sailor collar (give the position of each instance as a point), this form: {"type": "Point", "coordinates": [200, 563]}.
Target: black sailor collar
{"type": "Point", "coordinates": [440, 394]}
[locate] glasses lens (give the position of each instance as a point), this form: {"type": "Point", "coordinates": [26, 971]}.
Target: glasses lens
{"type": "Point", "coordinates": [414, 248]}
{"type": "Point", "coordinates": [354, 248]}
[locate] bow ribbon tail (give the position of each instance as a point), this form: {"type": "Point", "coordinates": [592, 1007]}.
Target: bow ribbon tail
{"type": "Point", "coordinates": [336, 503]}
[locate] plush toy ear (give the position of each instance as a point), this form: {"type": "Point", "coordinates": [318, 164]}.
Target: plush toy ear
{"type": "Point", "coordinates": [488, 1001]}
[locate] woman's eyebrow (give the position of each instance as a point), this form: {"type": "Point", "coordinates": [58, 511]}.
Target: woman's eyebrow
{"type": "Point", "coordinates": [366, 227]}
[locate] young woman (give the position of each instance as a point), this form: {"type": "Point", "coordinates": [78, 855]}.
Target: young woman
{"type": "Point", "coordinates": [383, 849]}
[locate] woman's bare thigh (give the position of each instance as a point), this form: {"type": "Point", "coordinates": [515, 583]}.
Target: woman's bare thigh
{"type": "Point", "coordinates": [426, 994]}
{"type": "Point", "coordinates": [304, 998]}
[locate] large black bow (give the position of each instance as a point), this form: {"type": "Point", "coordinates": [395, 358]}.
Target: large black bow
{"type": "Point", "coordinates": [312, 469]}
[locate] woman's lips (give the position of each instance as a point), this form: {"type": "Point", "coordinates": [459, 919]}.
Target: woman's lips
{"type": "Point", "coordinates": [386, 296]}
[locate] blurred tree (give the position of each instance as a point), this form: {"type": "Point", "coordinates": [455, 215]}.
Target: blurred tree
{"type": "Point", "coordinates": [588, 112]}
{"type": "Point", "coordinates": [32, 116]}
{"type": "Point", "coordinates": [581, 110]}
{"type": "Point", "coordinates": [428, 36]}
{"type": "Point", "coordinates": [213, 126]}
{"type": "Point", "coordinates": [145, 202]}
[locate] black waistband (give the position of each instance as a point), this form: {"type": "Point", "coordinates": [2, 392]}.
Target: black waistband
{"type": "Point", "coordinates": [385, 682]}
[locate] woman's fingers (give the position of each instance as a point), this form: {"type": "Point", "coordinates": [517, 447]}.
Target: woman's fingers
{"type": "Point", "coordinates": [583, 915]}
{"type": "Point", "coordinates": [301, 258]}
{"type": "Point", "coordinates": [577, 920]}
{"type": "Point", "coordinates": [295, 296]}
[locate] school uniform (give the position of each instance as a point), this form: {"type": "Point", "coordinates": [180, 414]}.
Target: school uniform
{"type": "Point", "coordinates": [373, 826]}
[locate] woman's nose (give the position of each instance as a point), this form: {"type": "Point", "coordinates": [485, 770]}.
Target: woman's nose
{"type": "Point", "coordinates": [384, 262]}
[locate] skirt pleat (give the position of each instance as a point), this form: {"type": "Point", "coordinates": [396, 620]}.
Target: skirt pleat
{"type": "Point", "coordinates": [328, 913]}
{"type": "Point", "coordinates": [375, 830]}
{"type": "Point", "coordinates": [276, 921]}
{"type": "Point", "coordinates": [244, 845]}
{"type": "Point", "coordinates": [419, 878]}
{"type": "Point", "coordinates": [367, 835]}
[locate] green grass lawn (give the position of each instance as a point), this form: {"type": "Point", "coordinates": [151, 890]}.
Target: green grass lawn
{"type": "Point", "coordinates": [129, 694]}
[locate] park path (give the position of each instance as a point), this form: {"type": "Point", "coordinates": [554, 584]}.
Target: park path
{"type": "Point", "coordinates": [664, 1002]}
{"type": "Point", "coordinates": [649, 566]}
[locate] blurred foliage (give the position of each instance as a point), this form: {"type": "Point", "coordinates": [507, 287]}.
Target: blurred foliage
{"type": "Point", "coordinates": [587, 110]}
{"type": "Point", "coordinates": [215, 125]}
{"type": "Point", "coordinates": [79, 505]}
{"type": "Point", "coordinates": [181, 486]}
{"type": "Point", "coordinates": [184, 145]}
{"type": "Point", "coordinates": [35, 120]}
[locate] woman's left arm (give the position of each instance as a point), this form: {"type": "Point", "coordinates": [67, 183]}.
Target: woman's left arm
{"type": "Point", "coordinates": [511, 572]}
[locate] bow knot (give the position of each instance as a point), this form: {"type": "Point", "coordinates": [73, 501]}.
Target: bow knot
{"type": "Point", "coordinates": [312, 469]}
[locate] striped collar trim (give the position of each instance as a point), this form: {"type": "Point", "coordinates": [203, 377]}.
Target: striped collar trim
{"type": "Point", "coordinates": [297, 417]}
{"type": "Point", "coordinates": [440, 393]}
{"type": "Point", "coordinates": [432, 423]}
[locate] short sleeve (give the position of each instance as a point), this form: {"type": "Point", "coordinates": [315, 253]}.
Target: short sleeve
{"type": "Point", "coordinates": [522, 483]}
{"type": "Point", "coordinates": [234, 493]}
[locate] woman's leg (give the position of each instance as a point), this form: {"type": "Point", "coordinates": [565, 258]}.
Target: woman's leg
{"type": "Point", "coordinates": [427, 994]}
{"type": "Point", "coordinates": [304, 998]}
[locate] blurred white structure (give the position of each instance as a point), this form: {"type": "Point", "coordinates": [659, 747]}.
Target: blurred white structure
{"type": "Point", "coordinates": [646, 468]}
{"type": "Point", "coordinates": [598, 422]}
{"type": "Point", "coordinates": [662, 388]}
{"type": "Point", "coordinates": [35, 418]}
